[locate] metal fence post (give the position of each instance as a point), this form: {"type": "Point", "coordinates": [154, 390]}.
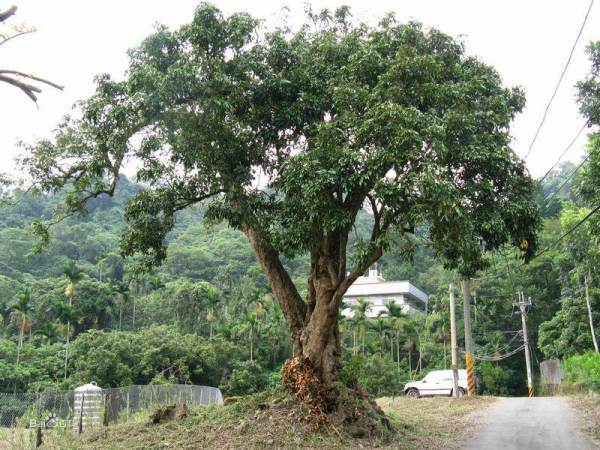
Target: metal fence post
{"type": "Point", "coordinates": [106, 403]}
{"type": "Point", "coordinates": [80, 427]}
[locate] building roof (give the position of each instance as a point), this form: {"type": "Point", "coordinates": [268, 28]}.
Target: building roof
{"type": "Point", "coordinates": [375, 285]}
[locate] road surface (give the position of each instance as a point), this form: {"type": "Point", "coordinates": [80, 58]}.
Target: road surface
{"type": "Point", "coordinates": [529, 423]}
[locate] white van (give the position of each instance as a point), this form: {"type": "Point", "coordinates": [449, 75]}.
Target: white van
{"type": "Point", "coordinates": [437, 382]}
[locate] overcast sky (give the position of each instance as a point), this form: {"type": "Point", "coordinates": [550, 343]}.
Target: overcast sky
{"type": "Point", "coordinates": [528, 41]}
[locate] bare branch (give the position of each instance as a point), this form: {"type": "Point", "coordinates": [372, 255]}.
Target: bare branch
{"type": "Point", "coordinates": [15, 36]}
{"type": "Point", "coordinates": [32, 77]}
{"type": "Point", "coordinates": [6, 14]}
{"type": "Point", "coordinates": [28, 89]}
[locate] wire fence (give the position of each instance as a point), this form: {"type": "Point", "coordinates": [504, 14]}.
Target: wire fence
{"type": "Point", "coordinates": [71, 409]}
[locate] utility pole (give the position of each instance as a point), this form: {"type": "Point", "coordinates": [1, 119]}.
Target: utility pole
{"type": "Point", "coordinates": [523, 304]}
{"type": "Point", "coordinates": [469, 360]}
{"type": "Point", "coordinates": [453, 341]}
{"type": "Point", "coordinates": [589, 308]}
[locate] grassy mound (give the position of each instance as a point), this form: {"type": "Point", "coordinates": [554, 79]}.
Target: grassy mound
{"type": "Point", "coordinates": [274, 419]}
{"type": "Point", "coordinates": [334, 407]}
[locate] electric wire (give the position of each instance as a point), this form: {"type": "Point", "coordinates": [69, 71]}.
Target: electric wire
{"type": "Point", "coordinates": [560, 79]}
{"type": "Point", "coordinates": [546, 249]}
{"type": "Point", "coordinates": [584, 126]}
{"type": "Point", "coordinates": [500, 357]}
{"type": "Point", "coordinates": [565, 181]}
{"type": "Point", "coordinates": [503, 348]}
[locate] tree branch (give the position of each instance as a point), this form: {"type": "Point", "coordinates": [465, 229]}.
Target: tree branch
{"type": "Point", "coordinates": [28, 89]}
{"type": "Point", "coordinates": [6, 14]}
{"type": "Point", "coordinates": [32, 77]}
{"type": "Point", "coordinates": [379, 229]}
{"type": "Point", "coordinates": [292, 305]}
{"type": "Point", "coordinates": [347, 282]}
{"type": "Point", "coordinates": [16, 36]}
{"type": "Point", "coordinates": [190, 201]}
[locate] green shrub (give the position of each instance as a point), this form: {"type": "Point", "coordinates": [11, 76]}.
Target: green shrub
{"type": "Point", "coordinates": [583, 369]}
{"type": "Point", "coordinates": [376, 373]}
{"type": "Point", "coordinates": [248, 377]}
{"type": "Point", "coordinates": [351, 370]}
{"type": "Point", "coordinates": [493, 379]}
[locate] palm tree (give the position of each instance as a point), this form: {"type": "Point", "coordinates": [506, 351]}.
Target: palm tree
{"type": "Point", "coordinates": [21, 314]}
{"type": "Point", "coordinates": [135, 289]}
{"type": "Point", "coordinates": [360, 319]}
{"type": "Point", "coordinates": [381, 327]}
{"type": "Point", "coordinates": [121, 291]}
{"type": "Point", "coordinates": [211, 310]}
{"type": "Point", "coordinates": [66, 314]}
{"type": "Point", "coordinates": [346, 322]}
{"type": "Point", "coordinates": [412, 343]}
{"type": "Point", "coordinates": [397, 318]}
{"type": "Point", "coordinates": [155, 283]}
{"type": "Point", "coordinates": [250, 323]}
{"type": "Point", "coordinates": [50, 330]}
{"type": "Point", "coordinates": [73, 274]}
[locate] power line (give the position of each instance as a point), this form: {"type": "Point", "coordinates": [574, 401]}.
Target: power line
{"type": "Point", "coordinates": [577, 225]}
{"type": "Point", "coordinates": [497, 331]}
{"type": "Point", "coordinates": [500, 349]}
{"type": "Point", "coordinates": [557, 190]}
{"type": "Point", "coordinates": [560, 79]}
{"type": "Point", "coordinates": [500, 357]}
{"type": "Point", "coordinates": [548, 247]}
{"type": "Point", "coordinates": [584, 126]}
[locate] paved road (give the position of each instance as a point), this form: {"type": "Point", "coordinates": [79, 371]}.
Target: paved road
{"type": "Point", "coordinates": [546, 423]}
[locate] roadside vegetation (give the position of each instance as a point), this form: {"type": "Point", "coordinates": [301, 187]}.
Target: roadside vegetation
{"type": "Point", "coordinates": [583, 371]}
{"type": "Point", "coordinates": [272, 419]}
{"type": "Point", "coordinates": [588, 409]}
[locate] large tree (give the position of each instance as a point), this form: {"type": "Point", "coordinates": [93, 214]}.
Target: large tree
{"type": "Point", "coordinates": [287, 136]}
{"type": "Point", "coordinates": [588, 91]}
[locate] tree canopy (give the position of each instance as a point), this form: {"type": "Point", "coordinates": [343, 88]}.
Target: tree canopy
{"type": "Point", "coordinates": [287, 135]}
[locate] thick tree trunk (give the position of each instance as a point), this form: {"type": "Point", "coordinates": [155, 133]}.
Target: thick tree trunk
{"type": "Point", "coordinates": [320, 337]}
{"type": "Point", "coordinates": [313, 324]}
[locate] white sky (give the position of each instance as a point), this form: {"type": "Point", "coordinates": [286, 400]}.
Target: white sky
{"type": "Point", "coordinates": [528, 41]}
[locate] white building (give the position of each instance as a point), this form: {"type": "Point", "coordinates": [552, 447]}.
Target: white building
{"type": "Point", "coordinates": [378, 292]}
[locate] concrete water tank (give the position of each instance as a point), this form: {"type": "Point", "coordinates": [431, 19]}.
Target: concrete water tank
{"type": "Point", "coordinates": [88, 406]}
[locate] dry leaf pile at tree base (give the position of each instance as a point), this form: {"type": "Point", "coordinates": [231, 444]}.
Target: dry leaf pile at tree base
{"type": "Point", "coordinates": [299, 377]}
{"type": "Point", "coordinates": [334, 408]}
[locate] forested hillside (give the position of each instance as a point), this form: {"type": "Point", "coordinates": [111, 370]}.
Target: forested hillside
{"type": "Point", "coordinates": [77, 311]}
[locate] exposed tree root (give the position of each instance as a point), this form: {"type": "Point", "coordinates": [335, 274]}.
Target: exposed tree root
{"type": "Point", "coordinates": [335, 407]}
{"type": "Point", "coordinates": [299, 377]}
